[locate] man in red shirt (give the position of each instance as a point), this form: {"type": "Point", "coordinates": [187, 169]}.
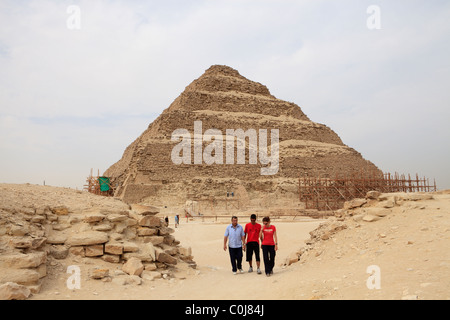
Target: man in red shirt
{"type": "Point", "coordinates": [252, 232]}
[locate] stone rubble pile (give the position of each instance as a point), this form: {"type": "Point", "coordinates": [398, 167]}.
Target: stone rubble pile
{"type": "Point", "coordinates": [134, 238]}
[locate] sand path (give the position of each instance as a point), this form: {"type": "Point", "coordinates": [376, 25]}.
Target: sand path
{"type": "Point", "coordinates": [215, 279]}
{"type": "Point", "coordinates": [410, 246]}
{"type": "Point", "coordinates": [212, 279]}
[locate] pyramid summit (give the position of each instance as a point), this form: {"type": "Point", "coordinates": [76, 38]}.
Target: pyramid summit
{"type": "Point", "coordinates": [222, 88]}
{"type": "Point", "coordinates": [220, 78]}
{"type": "Point", "coordinates": [218, 137]}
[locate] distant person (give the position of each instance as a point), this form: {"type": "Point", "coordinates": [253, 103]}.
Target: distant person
{"type": "Point", "coordinates": [235, 236]}
{"type": "Point", "coordinates": [252, 232]}
{"type": "Point", "coordinates": [177, 220]}
{"type": "Point", "coordinates": [269, 245]}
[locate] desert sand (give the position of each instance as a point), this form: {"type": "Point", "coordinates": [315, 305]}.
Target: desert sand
{"type": "Point", "coordinates": [411, 248]}
{"type": "Point", "coordinates": [407, 236]}
{"type": "Point", "coordinates": [212, 279]}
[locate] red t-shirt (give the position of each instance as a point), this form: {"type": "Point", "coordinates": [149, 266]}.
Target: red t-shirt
{"type": "Point", "coordinates": [268, 236]}
{"type": "Point", "coordinates": [252, 231]}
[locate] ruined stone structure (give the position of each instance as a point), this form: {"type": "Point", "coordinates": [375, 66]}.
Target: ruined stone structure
{"type": "Point", "coordinates": [43, 230]}
{"type": "Point", "coordinates": [223, 99]}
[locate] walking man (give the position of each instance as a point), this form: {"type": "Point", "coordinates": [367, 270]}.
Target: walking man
{"type": "Point", "coordinates": [235, 237]}
{"type": "Point", "coordinates": [252, 232]}
{"type": "Point", "coordinates": [177, 220]}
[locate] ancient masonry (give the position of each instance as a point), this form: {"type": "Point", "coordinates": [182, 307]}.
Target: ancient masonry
{"type": "Point", "coordinates": [40, 233]}
{"type": "Point", "coordinates": [223, 99]}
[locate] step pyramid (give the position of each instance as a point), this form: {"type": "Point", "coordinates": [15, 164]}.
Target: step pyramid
{"type": "Point", "coordinates": [157, 166]}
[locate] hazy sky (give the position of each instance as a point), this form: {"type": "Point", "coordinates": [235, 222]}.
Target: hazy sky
{"type": "Point", "coordinates": [80, 80]}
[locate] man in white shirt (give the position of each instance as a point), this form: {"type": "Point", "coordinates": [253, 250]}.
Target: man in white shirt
{"type": "Point", "coordinates": [235, 237]}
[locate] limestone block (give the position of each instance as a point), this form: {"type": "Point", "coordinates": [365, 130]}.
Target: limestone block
{"type": "Point", "coordinates": [150, 221]}
{"type": "Point", "coordinates": [164, 231]}
{"type": "Point", "coordinates": [60, 211]}
{"type": "Point", "coordinates": [56, 238]}
{"type": "Point", "coordinates": [59, 252]}
{"type": "Point", "coordinates": [21, 261]}
{"type": "Point", "coordinates": [93, 217]}
{"type": "Point", "coordinates": [14, 291]}
{"type": "Point", "coordinates": [166, 258]}
{"type": "Point", "coordinates": [94, 250]}
{"type": "Point", "coordinates": [19, 276]}
{"type": "Point", "coordinates": [373, 195]}
{"type": "Point", "coordinates": [133, 266]}
{"type": "Point", "coordinates": [111, 258]}
{"type": "Point", "coordinates": [155, 240]}
{"type": "Point", "coordinates": [371, 218]}
{"type": "Point", "coordinates": [130, 247]}
{"type": "Point", "coordinates": [87, 238]}
{"type": "Point", "coordinates": [146, 232]}
{"type": "Point", "coordinates": [355, 203]}
{"type": "Point", "coordinates": [169, 240]}
{"type": "Point", "coordinates": [77, 251]}
{"type": "Point", "coordinates": [114, 248]}
{"type": "Point", "coordinates": [98, 274]}
{"type": "Point", "coordinates": [103, 227]}
{"type": "Point", "coordinates": [146, 253]}
{"type": "Point", "coordinates": [145, 210]}
{"type": "Point", "coordinates": [114, 217]}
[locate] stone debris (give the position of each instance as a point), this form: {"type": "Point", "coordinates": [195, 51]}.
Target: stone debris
{"type": "Point", "coordinates": [133, 267]}
{"type": "Point", "coordinates": [37, 235]}
{"type": "Point", "coordinates": [14, 291]}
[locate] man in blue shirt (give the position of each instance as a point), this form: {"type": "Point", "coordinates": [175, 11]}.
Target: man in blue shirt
{"type": "Point", "coordinates": [235, 237]}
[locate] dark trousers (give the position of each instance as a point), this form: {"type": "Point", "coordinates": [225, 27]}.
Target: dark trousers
{"type": "Point", "coordinates": [253, 247]}
{"type": "Point", "coordinates": [236, 258]}
{"type": "Point", "coordinates": [269, 258]}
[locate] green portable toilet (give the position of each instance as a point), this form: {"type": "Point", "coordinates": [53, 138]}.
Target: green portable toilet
{"type": "Point", "coordinates": [104, 183]}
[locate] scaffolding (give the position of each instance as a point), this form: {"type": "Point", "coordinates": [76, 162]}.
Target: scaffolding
{"type": "Point", "coordinates": [329, 194]}
{"type": "Point", "coordinates": [99, 185]}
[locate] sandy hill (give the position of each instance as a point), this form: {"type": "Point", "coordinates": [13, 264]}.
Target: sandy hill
{"type": "Point", "coordinates": [223, 99]}
{"type": "Point", "coordinates": [401, 237]}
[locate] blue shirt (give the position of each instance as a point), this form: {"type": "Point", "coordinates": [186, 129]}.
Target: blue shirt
{"type": "Point", "coordinates": [234, 236]}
